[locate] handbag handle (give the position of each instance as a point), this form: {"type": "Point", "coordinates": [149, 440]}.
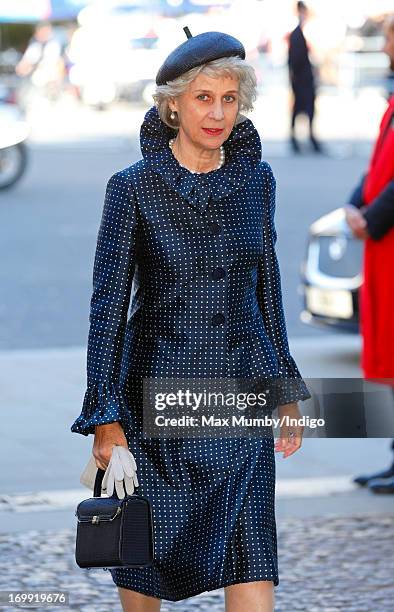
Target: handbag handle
{"type": "Point", "coordinates": [99, 480]}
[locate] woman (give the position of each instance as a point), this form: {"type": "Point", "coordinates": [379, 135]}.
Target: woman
{"type": "Point", "coordinates": [192, 223]}
{"type": "Point", "coordinates": [370, 215]}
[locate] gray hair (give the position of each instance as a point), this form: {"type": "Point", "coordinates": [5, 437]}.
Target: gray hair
{"type": "Point", "coordinates": [233, 66]}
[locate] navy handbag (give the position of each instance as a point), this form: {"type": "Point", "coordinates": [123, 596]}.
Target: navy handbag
{"type": "Point", "coordinates": [113, 532]}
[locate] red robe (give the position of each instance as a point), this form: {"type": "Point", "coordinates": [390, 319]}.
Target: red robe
{"type": "Point", "coordinates": [377, 291]}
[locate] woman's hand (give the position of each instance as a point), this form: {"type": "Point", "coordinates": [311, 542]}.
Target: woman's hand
{"type": "Point", "coordinates": [105, 438]}
{"type": "Point", "coordinates": [357, 222]}
{"type": "Point", "coordinates": [290, 435]}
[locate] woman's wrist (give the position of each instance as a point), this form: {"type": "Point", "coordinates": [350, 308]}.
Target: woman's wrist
{"type": "Point", "coordinates": [290, 407]}
{"type": "Point", "coordinates": [108, 426]}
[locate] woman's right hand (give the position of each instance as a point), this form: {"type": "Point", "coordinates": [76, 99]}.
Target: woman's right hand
{"type": "Point", "coordinates": [356, 221]}
{"type": "Point", "coordinates": [105, 438]}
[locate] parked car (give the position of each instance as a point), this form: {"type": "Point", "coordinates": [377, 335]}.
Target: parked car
{"type": "Point", "coordinates": [14, 131]}
{"type": "Point", "coordinates": [331, 274]}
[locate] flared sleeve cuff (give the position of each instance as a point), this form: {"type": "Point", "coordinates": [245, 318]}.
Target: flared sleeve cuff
{"type": "Point", "coordinates": [290, 387]}
{"type": "Point", "coordinates": [103, 403]}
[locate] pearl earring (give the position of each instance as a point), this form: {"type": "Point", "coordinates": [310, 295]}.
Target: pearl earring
{"type": "Point", "coordinates": [172, 115]}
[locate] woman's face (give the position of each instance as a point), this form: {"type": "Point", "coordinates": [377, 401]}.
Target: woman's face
{"type": "Point", "coordinates": [207, 110]}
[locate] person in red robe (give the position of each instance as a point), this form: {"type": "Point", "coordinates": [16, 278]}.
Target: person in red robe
{"type": "Point", "coordinates": [370, 215]}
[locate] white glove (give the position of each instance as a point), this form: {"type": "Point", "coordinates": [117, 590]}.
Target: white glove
{"type": "Point", "coordinates": [124, 456]}
{"type": "Point", "coordinates": [122, 466]}
{"type": "Point", "coordinates": [88, 475]}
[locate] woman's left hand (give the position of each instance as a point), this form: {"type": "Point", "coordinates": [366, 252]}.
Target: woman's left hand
{"type": "Point", "coordinates": [290, 435]}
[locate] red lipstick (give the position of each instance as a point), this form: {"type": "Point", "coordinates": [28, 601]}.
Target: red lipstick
{"type": "Point", "coordinates": [213, 131]}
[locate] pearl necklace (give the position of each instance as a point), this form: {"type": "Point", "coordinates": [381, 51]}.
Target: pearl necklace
{"type": "Point", "coordinates": [220, 164]}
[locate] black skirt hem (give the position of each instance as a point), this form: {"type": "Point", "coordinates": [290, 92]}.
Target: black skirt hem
{"type": "Point", "coordinates": [198, 591]}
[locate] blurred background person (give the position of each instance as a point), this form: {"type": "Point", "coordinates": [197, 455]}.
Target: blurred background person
{"type": "Point", "coordinates": [42, 64]}
{"type": "Point", "coordinates": [302, 79]}
{"type": "Point", "coordinates": [370, 215]}
{"type": "Point", "coordinates": [68, 61]}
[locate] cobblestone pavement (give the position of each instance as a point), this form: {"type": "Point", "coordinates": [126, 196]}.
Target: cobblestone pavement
{"type": "Point", "coordinates": [331, 564]}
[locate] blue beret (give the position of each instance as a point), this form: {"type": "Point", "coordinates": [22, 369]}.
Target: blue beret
{"type": "Point", "coordinates": [198, 50]}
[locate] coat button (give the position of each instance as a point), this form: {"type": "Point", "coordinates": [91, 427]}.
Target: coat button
{"type": "Point", "coordinates": [218, 273]}
{"type": "Point", "coordinates": [217, 319]}
{"type": "Point", "coordinates": [215, 227]}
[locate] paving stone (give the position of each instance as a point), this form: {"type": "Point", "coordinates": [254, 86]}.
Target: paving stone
{"type": "Point", "coordinates": [326, 564]}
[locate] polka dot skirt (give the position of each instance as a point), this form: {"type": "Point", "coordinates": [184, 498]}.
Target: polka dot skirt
{"type": "Point", "coordinates": [186, 284]}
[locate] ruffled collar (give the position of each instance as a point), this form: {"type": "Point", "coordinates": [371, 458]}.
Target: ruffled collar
{"type": "Point", "coordinates": [243, 154]}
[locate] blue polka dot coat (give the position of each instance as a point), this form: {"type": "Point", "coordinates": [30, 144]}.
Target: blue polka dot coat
{"type": "Point", "coordinates": [186, 284]}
